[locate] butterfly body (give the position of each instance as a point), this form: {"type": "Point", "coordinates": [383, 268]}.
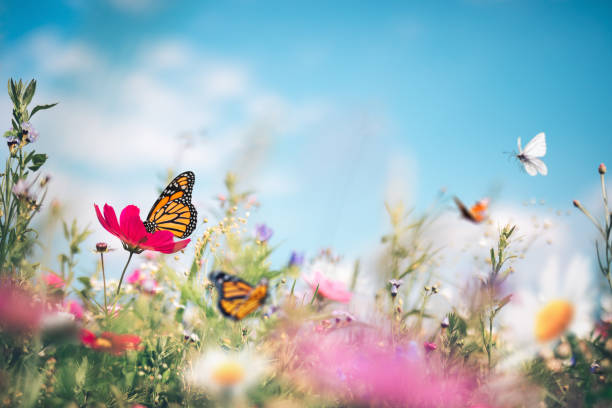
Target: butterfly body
{"type": "Point", "coordinates": [530, 156]}
{"type": "Point", "coordinates": [476, 213]}
{"type": "Point", "coordinates": [238, 298]}
{"type": "Point", "coordinates": [173, 210]}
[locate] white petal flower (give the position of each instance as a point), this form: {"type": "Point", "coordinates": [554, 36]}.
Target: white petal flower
{"type": "Point", "coordinates": [217, 371]}
{"type": "Point", "coordinates": [562, 303]}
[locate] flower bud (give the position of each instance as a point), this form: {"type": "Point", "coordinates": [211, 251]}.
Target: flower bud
{"type": "Point", "coordinates": [101, 247]}
{"type": "Point", "coordinates": [576, 203]}
{"type": "Point", "coordinates": [602, 169]}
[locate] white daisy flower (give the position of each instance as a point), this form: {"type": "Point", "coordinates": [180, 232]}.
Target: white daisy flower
{"type": "Point", "coordinates": [218, 371]}
{"type": "Point", "coordinates": [563, 302]}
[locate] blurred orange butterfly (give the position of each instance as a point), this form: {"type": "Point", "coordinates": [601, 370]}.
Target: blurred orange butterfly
{"type": "Point", "coordinates": [237, 298]}
{"type": "Point", "coordinates": [476, 214]}
{"type": "Point", "coordinates": [173, 210]}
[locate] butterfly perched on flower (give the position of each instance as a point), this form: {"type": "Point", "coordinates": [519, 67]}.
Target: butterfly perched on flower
{"type": "Point", "coordinates": [529, 156]}
{"type": "Point", "coordinates": [173, 210]}
{"type": "Point", "coordinates": [237, 298]}
{"type": "Point", "coordinates": [476, 213]}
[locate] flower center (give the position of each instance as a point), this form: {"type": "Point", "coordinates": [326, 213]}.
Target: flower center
{"type": "Point", "coordinates": [553, 319]}
{"type": "Point", "coordinates": [103, 343]}
{"type": "Point", "coordinates": [228, 373]}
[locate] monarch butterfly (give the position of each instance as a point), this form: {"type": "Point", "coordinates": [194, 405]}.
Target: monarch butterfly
{"type": "Point", "coordinates": [173, 210]}
{"type": "Point", "coordinates": [474, 214]}
{"type": "Point", "coordinates": [529, 157]}
{"type": "Point", "coordinates": [237, 298]}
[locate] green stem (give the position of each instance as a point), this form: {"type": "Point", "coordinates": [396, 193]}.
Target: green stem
{"type": "Point", "coordinates": [123, 273]}
{"type": "Point", "coordinates": [104, 282]}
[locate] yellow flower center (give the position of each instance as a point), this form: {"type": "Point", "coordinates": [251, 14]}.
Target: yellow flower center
{"type": "Point", "coordinates": [228, 373]}
{"type": "Point", "coordinates": [553, 320]}
{"type": "Point", "coordinates": [103, 343]}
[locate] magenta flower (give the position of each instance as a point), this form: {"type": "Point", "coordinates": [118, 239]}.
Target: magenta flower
{"type": "Point", "coordinates": [330, 289]}
{"type": "Point", "coordinates": [132, 233]}
{"type": "Point", "coordinates": [53, 281]}
{"type": "Point", "coordinates": [74, 308]}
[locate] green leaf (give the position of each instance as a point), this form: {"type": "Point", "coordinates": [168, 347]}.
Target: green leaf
{"type": "Point", "coordinates": [492, 258]}
{"type": "Point", "coordinates": [85, 281]}
{"type": "Point", "coordinates": [37, 161]}
{"type": "Point", "coordinates": [12, 91]}
{"type": "Point", "coordinates": [29, 92]}
{"type": "Point", "coordinates": [66, 233]}
{"type": "Point", "coordinates": [41, 107]}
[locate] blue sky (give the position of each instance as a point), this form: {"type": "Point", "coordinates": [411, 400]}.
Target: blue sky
{"type": "Point", "coordinates": [336, 106]}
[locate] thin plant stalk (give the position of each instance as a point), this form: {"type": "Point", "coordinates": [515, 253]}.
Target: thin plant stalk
{"type": "Point", "coordinates": [123, 273]}
{"type": "Point", "coordinates": [104, 282]}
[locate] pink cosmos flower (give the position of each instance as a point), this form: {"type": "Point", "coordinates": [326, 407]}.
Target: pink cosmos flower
{"type": "Point", "coordinates": [53, 281]}
{"type": "Point", "coordinates": [333, 290]}
{"type": "Point", "coordinates": [132, 233]}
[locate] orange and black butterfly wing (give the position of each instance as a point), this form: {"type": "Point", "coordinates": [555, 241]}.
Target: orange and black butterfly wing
{"type": "Point", "coordinates": [255, 299]}
{"type": "Point", "coordinates": [465, 212]}
{"type": "Point", "coordinates": [173, 210]}
{"type": "Point", "coordinates": [237, 298]}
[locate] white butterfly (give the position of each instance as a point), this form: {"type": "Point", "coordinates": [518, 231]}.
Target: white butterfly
{"type": "Point", "coordinates": [529, 157]}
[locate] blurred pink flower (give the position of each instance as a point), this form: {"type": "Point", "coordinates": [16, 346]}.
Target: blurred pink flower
{"type": "Point", "coordinates": [132, 233]}
{"type": "Point", "coordinates": [19, 310]}
{"type": "Point", "coordinates": [74, 308]}
{"type": "Point", "coordinates": [143, 282]}
{"type": "Point", "coordinates": [134, 277]}
{"type": "Point", "coordinates": [53, 281]}
{"type": "Point", "coordinates": [365, 367]}
{"type": "Point", "coordinates": [333, 290]}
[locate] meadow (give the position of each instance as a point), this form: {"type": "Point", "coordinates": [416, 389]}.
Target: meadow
{"type": "Point", "coordinates": [234, 329]}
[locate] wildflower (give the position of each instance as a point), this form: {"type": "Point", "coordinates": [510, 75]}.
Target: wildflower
{"type": "Point", "coordinates": [13, 144]}
{"type": "Point", "coordinates": [429, 346]}
{"type": "Point", "coordinates": [296, 259]}
{"type": "Point", "coordinates": [30, 134]}
{"type": "Point", "coordinates": [54, 281]}
{"type": "Point", "coordinates": [330, 289]}
{"type": "Point", "coordinates": [74, 308]}
{"type": "Point", "coordinates": [132, 233]}
{"type": "Point", "coordinates": [19, 310]}
{"type": "Point", "coordinates": [233, 372]}
{"type": "Point", "coordinates": [602, 169]}
{"type": "Point", "coordinates": [263, 233]}
{"type": "Point", "coordinates": [108, 342]}
{"type": "Point", "coordinates": [143, 282]}
{"type": "Point", "coordinates": [395, 284]}
{"type": "Point", "coordinates": [101, 247]}
{"type": "Point", "coordinates": [537, 318]}
{"type": "Point", "coordinates": [21, 189]}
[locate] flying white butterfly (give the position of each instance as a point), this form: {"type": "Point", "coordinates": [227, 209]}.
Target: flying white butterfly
{"type": "Point", "coordinates": [529, 157]}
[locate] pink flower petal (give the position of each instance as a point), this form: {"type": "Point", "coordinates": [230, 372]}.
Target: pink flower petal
{"type": "Point", "coordinates": [111, 220]}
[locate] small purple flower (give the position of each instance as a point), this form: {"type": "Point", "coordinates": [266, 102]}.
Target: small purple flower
{"type": "Point", "coordinates": [296, 259]}
{"type": "Point", "coordinates": [31, 135]}
{"type": "Point", "coordinates": [21, 189]}
{"type": "Point", "coordinates": [263, 233]}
